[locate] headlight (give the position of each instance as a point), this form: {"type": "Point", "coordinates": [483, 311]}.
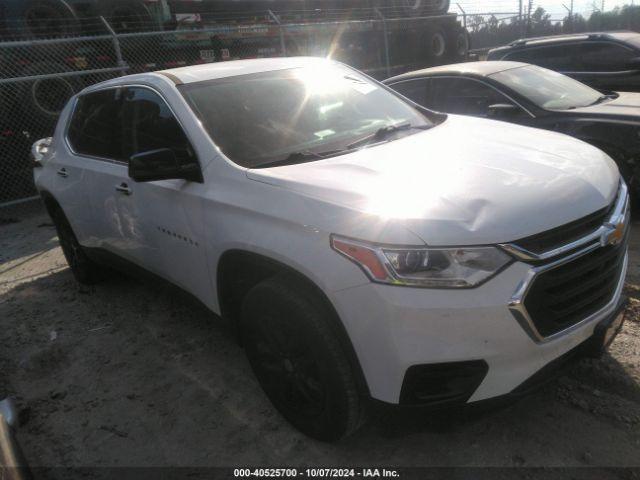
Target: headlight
{"type": "Point", "coordinates": [457, 267]}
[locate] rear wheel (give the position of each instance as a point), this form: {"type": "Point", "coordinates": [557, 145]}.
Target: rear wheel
{"type": "Point", "coordinates": [298, 359]}
{"type": "Point", "coordinates": [85, 270]}
{"type": "Point", "coordinates": [127, 16]}
{"type": "Point", "coordinates": [42, 100]}
{"type": "Point", "coordinates": [435, 44]}
{"type": "Point", "coordinates": [50, 18]}
{"type": "Point", "coordinates": [461, 43]}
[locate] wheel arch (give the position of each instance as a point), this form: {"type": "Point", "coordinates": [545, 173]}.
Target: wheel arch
{"type": "Point", "coordinates": [239, 270]}
{"type": "Point", "coordinates": [50, 202]}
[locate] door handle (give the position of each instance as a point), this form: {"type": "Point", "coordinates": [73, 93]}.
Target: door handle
{"type": "Point", "coordinates": [124, 188]}
{"type": "Point", "coordinates": [63, 173]}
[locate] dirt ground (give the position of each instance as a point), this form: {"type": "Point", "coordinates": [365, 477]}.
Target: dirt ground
{"type": "Point", "coordinates": [131, 374]}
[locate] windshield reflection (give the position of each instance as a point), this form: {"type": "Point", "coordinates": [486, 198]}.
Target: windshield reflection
{"type": "Point", "coordinates": [295, 115]}
{"type": "Point", "coordinates": [548, 89]}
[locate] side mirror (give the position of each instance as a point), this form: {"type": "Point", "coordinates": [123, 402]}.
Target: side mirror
{"type": "Point", "coordinates": [502, 110]}
{"type": "Point", "coordinates": [162, 164]}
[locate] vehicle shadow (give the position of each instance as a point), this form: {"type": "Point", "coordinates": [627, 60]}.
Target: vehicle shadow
{"type": "Point", "coordinates": [26, 237]}
{"type": "Point", "coordinates": [138, 373]}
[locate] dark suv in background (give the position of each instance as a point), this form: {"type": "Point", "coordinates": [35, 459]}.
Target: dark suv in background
{"type": "Point", "coordinates": [606, 61]}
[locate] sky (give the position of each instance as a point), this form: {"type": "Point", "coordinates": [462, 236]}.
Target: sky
{"type": "Point", "coordinates": [554, 7]}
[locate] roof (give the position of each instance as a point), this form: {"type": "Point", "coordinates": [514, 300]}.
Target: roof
{"type": "Point", "coordinates": [212, 71]}
{"type": "Point", "coordinates": [482, 69]}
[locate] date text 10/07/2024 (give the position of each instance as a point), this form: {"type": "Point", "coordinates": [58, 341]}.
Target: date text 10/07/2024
{"type": "Point", "coordinates": [315, 473]}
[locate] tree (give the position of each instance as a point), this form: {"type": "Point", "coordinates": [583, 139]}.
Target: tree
{"type": "Point", "coordinates": [489, 31]}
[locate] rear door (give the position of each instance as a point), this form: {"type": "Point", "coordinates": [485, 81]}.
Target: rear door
{"type": "Point", "coordinates": [95, 136]}
{"type": "Point", "coordinates": [563, 57]}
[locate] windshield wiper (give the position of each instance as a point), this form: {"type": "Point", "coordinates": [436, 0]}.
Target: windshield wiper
{"type": "Point", "coordinates": [384, 133]}
{"type": "Point", "coordinates": [300, 157]}
{"type": "Point", "coordinates": [309, 156]}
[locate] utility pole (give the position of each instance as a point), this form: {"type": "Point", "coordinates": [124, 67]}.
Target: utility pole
{"type": "Point", "coordinates": [570, 11]}
{"type": "Point", "coordinates": [520, 20]}
{"type": "Point", "coordinates": [529, 18]}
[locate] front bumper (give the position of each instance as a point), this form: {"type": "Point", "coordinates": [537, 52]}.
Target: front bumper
{"type": "Point", "coordinates": [395, 328]}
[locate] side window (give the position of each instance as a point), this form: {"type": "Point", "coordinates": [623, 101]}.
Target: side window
{"type": "Point", "coordinates": [150, 125]}
{"type": "Point", "coordinates": [464, 96]}
{"type": "Point", "coordinates": [95, 128]}
{"type": "Point", "coordinates": [415, 90]}
{"type": "Point", "coordinates": [606, 57]}
{"type": "Point", "coordinates": [562, 57]}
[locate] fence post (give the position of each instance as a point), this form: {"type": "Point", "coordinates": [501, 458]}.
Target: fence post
{"type": "Point", "coordinates": [283, 45]}
{"type": "Point", "coordinates": [464, 16]}
{"type": "Point", "coordinates": [116, 46]}
{"type": "Point", "coordinates": [386, 41]}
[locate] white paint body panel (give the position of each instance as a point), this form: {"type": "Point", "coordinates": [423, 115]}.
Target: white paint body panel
{"type": "Point", "coordinates": [466, 182]}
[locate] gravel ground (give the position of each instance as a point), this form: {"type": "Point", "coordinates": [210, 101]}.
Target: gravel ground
{"type": "Point", "coordinates": [132, 374]}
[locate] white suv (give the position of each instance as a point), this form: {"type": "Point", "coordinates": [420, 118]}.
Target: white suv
{"type": "Point", "coordinates": [365, 248]}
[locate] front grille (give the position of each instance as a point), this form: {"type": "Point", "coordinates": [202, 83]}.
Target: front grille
{"type": "Point", "coordinates": [565, 295]}
{"type": "Point", "coordinates": [565, 234]}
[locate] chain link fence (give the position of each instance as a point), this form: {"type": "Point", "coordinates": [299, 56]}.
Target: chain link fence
{"type": "Point", "coordinates": [39, 75]}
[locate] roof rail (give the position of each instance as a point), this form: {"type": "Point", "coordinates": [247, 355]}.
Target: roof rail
{"type": "Point", "coordinates": [557, 38]}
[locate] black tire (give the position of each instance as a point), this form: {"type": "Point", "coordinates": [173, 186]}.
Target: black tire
{"type": "Point", "coordinates": [43, 100]}
{"type": "Point", "coordinates": [85, 270]}
{"type": "Point", "coordinates": [298, 359]}
{"type": "Point", "coordinates": [127, 16]}
{"type": "Point", "coordinates": [49, 18]}
{"type": "Point", "coordinates": [460, 44]}
{"type": "Point", "coordinates": [435, 44]}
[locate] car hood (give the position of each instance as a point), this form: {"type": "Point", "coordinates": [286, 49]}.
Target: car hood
{"type": "Point", "coordinates": [467, 181]}
{"type": "Point", "coordinates": [627, 104]}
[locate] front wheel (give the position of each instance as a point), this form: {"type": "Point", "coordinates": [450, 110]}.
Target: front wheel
{"type": "Point", "coordinates": [298, 359]}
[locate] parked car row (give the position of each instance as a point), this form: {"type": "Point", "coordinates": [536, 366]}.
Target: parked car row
{"type": "Point", "coordinates": [367, 248]}
{"type": "Point", "coordinates": [607, 61]}
{"type": "Point", "coordinates": [537, 97]}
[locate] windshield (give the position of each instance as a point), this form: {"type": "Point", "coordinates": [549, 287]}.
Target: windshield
{"type": "Point", "coordinates": [548, 89]}
{"type": "Point", "coordinates": [300, 114]}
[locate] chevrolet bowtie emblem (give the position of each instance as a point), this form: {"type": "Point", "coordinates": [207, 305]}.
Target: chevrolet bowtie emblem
{"type": "Point", "coordinates": [614, 234]}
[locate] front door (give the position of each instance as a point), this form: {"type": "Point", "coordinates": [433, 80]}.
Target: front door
{"type": "Point", "coordinates": [609, 66]}
{"type": "Point", "coordinates": [168, 236]}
